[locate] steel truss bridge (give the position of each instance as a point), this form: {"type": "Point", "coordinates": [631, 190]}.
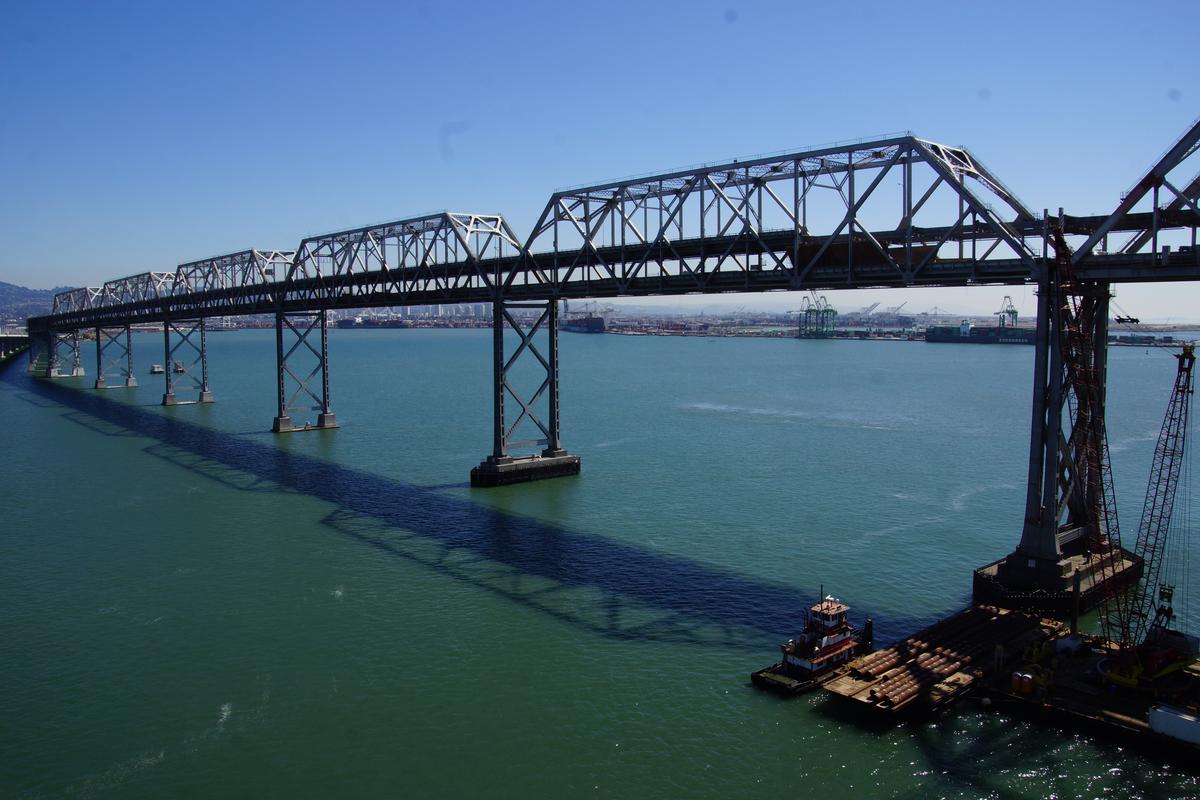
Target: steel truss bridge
{"type": "Point", "coordinates": [900, 211]}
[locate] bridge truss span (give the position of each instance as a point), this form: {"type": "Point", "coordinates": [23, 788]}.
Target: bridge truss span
{"type": "Point", "coordinates": [827, 218]}
{"type": "Point", "coordinates": [896, 211]}
{"type": "Point", "coordinates": [440, 257]}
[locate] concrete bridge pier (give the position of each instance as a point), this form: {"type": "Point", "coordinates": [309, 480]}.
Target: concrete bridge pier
{"type": "Point", "coordinates": [502, 467]}
{"type": "Point", "coordinates": [119, 340]}
{"type": "Point", "coordinates": [190, 336]}
{"type": "Point", "coordinates": [302, 325]}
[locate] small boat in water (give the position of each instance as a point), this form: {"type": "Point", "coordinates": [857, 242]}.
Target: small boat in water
{"type": "Point", "coordinates": [178, 368]}
{"type": "Point", "coordinates": [156, 369]}
{"type": "Point", "coordinates": [828, 642]}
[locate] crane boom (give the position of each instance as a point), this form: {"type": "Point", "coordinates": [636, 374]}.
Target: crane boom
{"type": "Point", "coordinates": [1159, 504]}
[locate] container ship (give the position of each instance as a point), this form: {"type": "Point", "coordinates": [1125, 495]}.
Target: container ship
{"type": "Point", "coordinates": [583, 323]}
{"type": "Point", "coordinates": [373, 322]}
{"type": "Point", "coordinates": [966, 333]}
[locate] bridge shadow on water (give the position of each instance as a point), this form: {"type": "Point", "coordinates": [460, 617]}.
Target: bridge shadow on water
{"type": "Point", "coordinates": [604, 587]}
{"type": "Point", "coordinates": [609, 588]}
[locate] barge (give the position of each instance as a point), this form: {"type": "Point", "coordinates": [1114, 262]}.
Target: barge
{"type": "Point", "coordinates": [943, 661]}
{"type": "Point", "coordinates": [1086, 682]}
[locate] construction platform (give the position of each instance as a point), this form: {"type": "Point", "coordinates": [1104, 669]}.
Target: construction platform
{"type": "Point", "coordinates": [505, 471]}
{"type": "Point", "coordinates": [1064, 682]}
{"type": "Point", "coordinates": [943, 661]}
{"type": "Point", "coordinates": [1051, 592]}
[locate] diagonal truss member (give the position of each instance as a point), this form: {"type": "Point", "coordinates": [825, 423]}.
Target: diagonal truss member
{"type": "Point", "coordinates": [295, 385]}
{"type": "Point", "coordinates": [65, 358]}
{"type": "Point", "coordinates": [185, 346]}
{"type": "Point", "coordinates": [502, 466]}
{"type": "Point", "coordinates": [114, 355]}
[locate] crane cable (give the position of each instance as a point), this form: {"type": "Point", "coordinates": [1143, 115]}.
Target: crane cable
{"type": "Point", "coordinates": [1135, 326]}
{"type": "Point", "coordinates": [1180, 532]}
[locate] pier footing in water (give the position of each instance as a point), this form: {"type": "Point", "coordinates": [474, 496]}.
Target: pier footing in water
{"type": "Point", "coordinates": [501, 472]}
{"type": "Point", "coordinates": [1004, 583]}
{"type": "Point", "coordinates": [284, 424]}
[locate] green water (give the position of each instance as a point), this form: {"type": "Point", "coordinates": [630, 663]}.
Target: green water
{"type": "Point", "coordinates": [193, 607]}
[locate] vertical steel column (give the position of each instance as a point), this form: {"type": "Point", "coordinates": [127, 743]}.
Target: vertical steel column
{"type": "Point", "coordinates": [553, 445]}
{"type": "Point", "coordinates": [99, 359]}
{"type": "Point", "coordinates": [283, 422]}
{"type": "Point", "coordinates": [168, 366]}
{"type": "Point", "coordinates": [1048, 538]}
{"type": "Point", "coordinates": [326, 418]}
{"type": "Point", "coordinates": [130, 380]}
{"type": "Point", "coordinates": [206, 395]}
{"type": "Point", "coordinates": [1100, 346]}
{"type": "Point", "coordinates": [77, 355]}
{"type": "Point", "coordinates": [52, 355]}
{"type": "Point", "coordinates": [499, 453]}
{"type": "Point", "coordinates": [1043, 449]}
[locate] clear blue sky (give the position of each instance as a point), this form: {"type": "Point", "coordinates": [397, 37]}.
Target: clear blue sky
{"type": "Point", "coordinates": [138, 136]}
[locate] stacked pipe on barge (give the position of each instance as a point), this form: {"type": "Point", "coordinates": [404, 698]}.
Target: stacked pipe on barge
{"type": "Point", "coordinates": [942, 661]}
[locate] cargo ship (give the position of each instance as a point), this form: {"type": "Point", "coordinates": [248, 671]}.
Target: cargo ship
{"type": "Point", "coordinates": [583, 323]}
{"type": "Point", "coordinates": [828, 642]}
{"type": "Point", "coordinates": [373, 322]}
{"type": "Point", "coordinates": [966, 333]}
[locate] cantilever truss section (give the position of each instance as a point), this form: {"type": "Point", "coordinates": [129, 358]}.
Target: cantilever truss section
{"type": "Point", "coordinates": [424, 259]}
{"type": "Point", "coordinates": [223, 282]}
{"type": "Point", "coordinates": [1165, 200]}
{"type": "Point", "coordinates": [830, 217]}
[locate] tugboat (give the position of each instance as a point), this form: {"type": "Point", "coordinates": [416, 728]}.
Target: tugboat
{"type": "Point", "coordinates": [156, 369]}
{"type": "Point", "coordinates": [828, 641]}
{"type": "Point", "coordinates": [178, 368]}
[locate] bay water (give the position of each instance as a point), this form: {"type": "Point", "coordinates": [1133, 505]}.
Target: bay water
{"type": "Point", "coordinates": [195, 607]}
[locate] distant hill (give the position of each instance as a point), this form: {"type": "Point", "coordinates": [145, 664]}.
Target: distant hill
{"type": "Point", "coordinates": [18, 303]}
